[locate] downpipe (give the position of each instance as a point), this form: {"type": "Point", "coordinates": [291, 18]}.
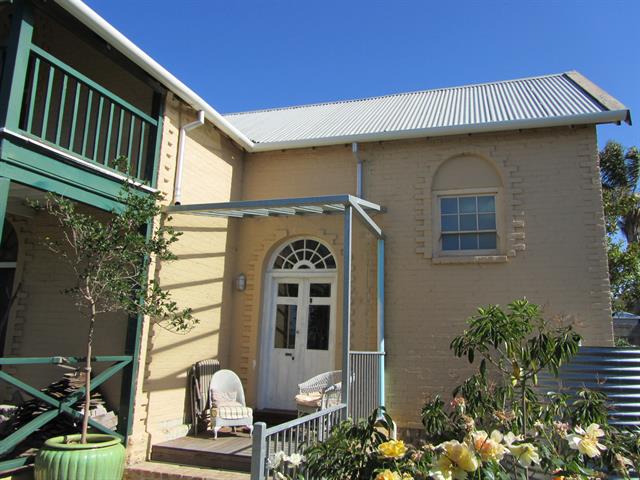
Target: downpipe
{"type": "Point", "coordinates": [182, 140]}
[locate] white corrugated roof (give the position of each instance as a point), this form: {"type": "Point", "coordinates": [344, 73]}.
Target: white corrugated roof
{"type": "Point", "coordinates": [550, 100]}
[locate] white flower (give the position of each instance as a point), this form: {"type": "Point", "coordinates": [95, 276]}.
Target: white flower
{"type": "Point", "coordinates": [586, 442]}
{"type": "Point", "coordinates": [295, 459]}
{"type": "Point", "coordinates": [276, 460]}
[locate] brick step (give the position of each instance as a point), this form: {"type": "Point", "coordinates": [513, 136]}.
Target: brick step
{"type": "Point", "coordinates": [173, 471]}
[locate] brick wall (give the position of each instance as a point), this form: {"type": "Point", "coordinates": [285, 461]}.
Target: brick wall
{"type": "Point", "coordinates": [200, 278]}
{"type": "Point", "coordinates": [554, 251]}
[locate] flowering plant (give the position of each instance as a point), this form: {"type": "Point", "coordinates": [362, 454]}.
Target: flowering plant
{"type": "Point", "coordinates": [286, 467]}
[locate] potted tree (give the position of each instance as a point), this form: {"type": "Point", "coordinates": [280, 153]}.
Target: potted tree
{"type": "Point", "coordinates": [110, 262]}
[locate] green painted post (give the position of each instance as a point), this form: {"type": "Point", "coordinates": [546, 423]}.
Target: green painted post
{"type": "Point", "coordinates": [130, 373]}
{"type": "Point", "coordinates": [5, 184]}
{"type": "Point", "coordinates": [16, 65]}
{"type": "Point", "coordinates": [153, 158]}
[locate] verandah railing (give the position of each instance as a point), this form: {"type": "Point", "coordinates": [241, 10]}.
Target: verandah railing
{"type": "Point", "coordinates": [56, 406]}
{"type": "Point", "coordinates": [365, 394]}
{"type": "Point", "coordinates": [291, 437]}
{"type": "Point", "coordinates": [67, 110]}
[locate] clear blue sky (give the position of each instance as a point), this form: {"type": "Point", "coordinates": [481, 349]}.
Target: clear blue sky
{"type": "Point", "coordinates": [245, 55]}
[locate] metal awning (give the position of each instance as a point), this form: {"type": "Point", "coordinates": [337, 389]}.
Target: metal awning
{"type": "Point", "coordinates": [345, 205]}
{"type": "Point", "coordinates": [278, 207]}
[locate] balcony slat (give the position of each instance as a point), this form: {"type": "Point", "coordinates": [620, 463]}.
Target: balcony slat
{"type": "Point", "coordinates": [110, 127]}
{"type": "Point", "coordinates": [96, 141]}
{"type": "Point", "coordinates": [74, 116]}
{"type": "Point", "coordinates": [132, 125]}
{"type": "Point", "coordinates": [34, 91]}
{"type": "Point", "coordinates": [118, 152]}
{"type": "Point", "coordinates": [140, 150]}
{"type": "Point", "coordinates": [63, 99]}
{"type": "Point", "coordinates": [47, 102]}
{"type": "Point", "coordinates": [87, 121]}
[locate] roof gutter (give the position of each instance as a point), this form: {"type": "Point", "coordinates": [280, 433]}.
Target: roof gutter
{"type": "Point", "coordinates": [616, 116]}
{"type": "Point", "coordinates": [111, 35]}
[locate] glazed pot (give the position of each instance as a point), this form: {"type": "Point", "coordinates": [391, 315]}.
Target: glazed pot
{"type": "Point", "coordinates": [64, 458]}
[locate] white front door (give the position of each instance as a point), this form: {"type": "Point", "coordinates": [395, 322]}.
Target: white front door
{"type": "Point", "coordinates": [300, 343]}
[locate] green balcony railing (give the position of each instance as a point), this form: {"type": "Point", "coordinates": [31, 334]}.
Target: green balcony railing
{"type": "Point", "coordinates": [53, 407]}
{"type": "Point", "coordinates": [69, 111]}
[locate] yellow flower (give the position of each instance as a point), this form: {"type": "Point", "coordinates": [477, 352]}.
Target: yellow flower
{"type": "Point", "coordinates": [489, 447]}
{"type": "Point", "coordinates": [525, 453]}
{"type": "Point", "coordinates": [406, 476]}
{"type": "Point", "coordinates": [392, 449]}
{"type": "Point", "coordinates": [388, 475]}
{"type": "Point", "coordinates": [461, 455]}
{"type": "Point", "coordinates": [586, 442]}
{"type": "Point", "coordinates": [445, 469]}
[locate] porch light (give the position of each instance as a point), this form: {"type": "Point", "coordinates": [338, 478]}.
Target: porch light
{"type": "Point", "coordinates": [241, 282]}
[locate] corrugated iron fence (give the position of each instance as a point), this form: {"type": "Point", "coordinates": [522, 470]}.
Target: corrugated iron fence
{"type": "Point", "coordinates": [613, 371]}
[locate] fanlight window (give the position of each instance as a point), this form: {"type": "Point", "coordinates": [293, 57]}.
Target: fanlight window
{"type": "Point", "coordinates": [304, 254]}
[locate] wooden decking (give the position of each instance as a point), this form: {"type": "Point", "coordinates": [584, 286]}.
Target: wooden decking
{"type": "Point", "coordinates": [229, 451]}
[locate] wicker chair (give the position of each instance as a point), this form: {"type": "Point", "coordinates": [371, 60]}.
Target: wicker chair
{"type": "Point", "coordinates": [233, 413]}
{"type": "Point", "coordinates": [319, 392]}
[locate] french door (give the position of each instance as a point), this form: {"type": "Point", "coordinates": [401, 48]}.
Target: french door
{"type": "Point", "coordinates": [301, 338]}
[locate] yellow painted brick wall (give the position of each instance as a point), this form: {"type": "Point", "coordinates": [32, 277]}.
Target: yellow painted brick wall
{"type": "Point", "coordinates": [554, 251]}
{"type": "Point", "coordinates": [43, 321]}
{"type": "Point", "coordinates": [201, 278]}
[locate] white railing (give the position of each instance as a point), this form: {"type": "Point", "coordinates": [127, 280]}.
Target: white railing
{"type": "Point", "coordinates": [367, 386]}
{"type": "Point", "coordinates": [291, 437]}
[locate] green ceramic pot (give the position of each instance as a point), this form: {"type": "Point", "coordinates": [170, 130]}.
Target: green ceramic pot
{"type": "Point", "coordinates": [101, 458]}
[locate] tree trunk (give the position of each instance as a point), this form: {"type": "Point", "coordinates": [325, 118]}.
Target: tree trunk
{"type": "Point", "coordinates": [87, 383]}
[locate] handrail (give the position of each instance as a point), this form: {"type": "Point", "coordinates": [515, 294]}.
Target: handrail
{"type": "Point", "coordinates": [299, 421]}
{"type": "Point", "coordinates": [84, 79]}
{"type": "Point", "coordinates": [60, 360]}
{"type": "Point", "coordinates": [291, 437]}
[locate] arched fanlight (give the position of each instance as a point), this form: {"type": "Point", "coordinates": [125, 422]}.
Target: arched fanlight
{"type": "Point", "coordinates": [304, 254]}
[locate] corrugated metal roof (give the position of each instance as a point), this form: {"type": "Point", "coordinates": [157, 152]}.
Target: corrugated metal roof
{"type": "Point", "coordinates": [506, 104]}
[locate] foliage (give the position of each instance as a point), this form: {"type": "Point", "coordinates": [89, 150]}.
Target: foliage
{"type": "Point", "coordinates": [620, 171]}
{"type": "Point", "coordinates": [498, 425]}
{"type": "Point", "coordinates": [518, 344]}
{"type": "Point", "coordinates": [110, 261]}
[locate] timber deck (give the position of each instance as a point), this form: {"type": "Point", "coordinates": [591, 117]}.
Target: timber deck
{"type": "Point", "coordinates": [229, 451]}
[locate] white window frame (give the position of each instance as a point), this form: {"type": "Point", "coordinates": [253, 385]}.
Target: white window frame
{"type": "Point", "coordinates": [437, 222]}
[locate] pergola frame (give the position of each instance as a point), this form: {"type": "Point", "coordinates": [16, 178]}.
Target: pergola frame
{"type": "Point", "coordinates": [344, 204]}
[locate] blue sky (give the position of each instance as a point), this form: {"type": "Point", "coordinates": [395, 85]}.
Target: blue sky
{"type": "Point", "coordinates": [245, 55]}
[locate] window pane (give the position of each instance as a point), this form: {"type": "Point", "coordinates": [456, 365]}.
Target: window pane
{"type": "Point", "coordinates": [469, 241]}
{"type": "Point", "coordinates": [450, 242]}
{"type": "Point", "coordinates": [487, 241]}
{"type": "Point", "coordinates": [331, 263]}
{"type": "Point", "coordinates": [318, 330]}
{"type": "Point", "coordinates": [467, 204]}
{"type": "Point", "coordinates": [320, 290]}
{"type": "Point", "coordinates": [448, 205]}
{"type": "Point", "coordinates": [468, 222]}
{"type": "Point", "coordinates": [487, 221]}
{"type": "Point", "coordinates": [285, 335]}
{"type": "Point", "coordinates": [287, 289]}
{"type": "Point", "coordinates": [449, 223]}
{"type": "Point", "coordinates": [487, 204]}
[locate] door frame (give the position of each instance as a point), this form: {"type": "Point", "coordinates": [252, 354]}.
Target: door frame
{"type": "Point", "coordinates": [268, 293]}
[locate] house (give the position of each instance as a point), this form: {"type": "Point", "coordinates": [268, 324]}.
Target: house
{"type": "Point", "coordinates": [626, 327]}
{"type": "Point", "coordinates": [381, 223]}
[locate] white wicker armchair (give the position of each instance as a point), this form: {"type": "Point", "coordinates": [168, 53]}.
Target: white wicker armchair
{"type": "Point", "coordinates": [319, 392]}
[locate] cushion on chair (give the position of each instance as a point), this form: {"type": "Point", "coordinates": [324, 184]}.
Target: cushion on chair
{"type": "Point", "coordinates": [313, 399]}
{"type": "Point", "coordinates": [231, 411]}
{"type": "Point", "coordinates": [223, 398]}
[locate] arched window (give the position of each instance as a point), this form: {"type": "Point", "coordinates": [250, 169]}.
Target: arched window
{"type": "Point", "coordinates": [304, 254]}
{"type": "Point", "coordinates": [467, 207]}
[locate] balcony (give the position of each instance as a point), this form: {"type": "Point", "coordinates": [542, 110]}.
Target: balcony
{"type": "Point", "coordinates": [67, 111]}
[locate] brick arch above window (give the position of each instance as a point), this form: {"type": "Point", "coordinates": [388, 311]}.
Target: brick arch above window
{"type": "Point", "coordinates": [465, 172]}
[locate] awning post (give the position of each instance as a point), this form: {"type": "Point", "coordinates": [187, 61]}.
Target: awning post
{"type": "Point", "coordinates": [346, 305]}
{"type": "Point", "coordinates": [380, 311]}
